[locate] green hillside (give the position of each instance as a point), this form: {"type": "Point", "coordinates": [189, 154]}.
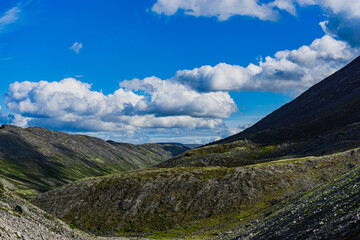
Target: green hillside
{"type": "Point", "coordinates": [36, 160]}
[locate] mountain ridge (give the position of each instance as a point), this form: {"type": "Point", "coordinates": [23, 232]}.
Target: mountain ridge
{"type": "Point", "coordinates": [37, 159]}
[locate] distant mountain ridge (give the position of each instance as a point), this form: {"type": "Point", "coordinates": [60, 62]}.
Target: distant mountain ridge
{"type": "Point", "coordinates": [189, 145]}
{"type": "Point", "coordinates": [37, 160]}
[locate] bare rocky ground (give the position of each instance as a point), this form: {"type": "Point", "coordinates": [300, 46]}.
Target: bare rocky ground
{"type": "Point", "coordinates": [20, 219]}
{"type": "Point", "coordinates": [330, 211]}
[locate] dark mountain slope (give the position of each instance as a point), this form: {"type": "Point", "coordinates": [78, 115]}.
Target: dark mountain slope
{"type": "Point", "coordinates": [37, 160]}
{"type": "Point", "coordinates": [327, 106]}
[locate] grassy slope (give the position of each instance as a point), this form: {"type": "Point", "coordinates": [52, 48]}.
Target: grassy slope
{"type": "Point", "coordinates": [37, 160]}
{"type": "Point", "coordinates": [193, 202]}
{"type": "Point", "coordinates": [234, 154]}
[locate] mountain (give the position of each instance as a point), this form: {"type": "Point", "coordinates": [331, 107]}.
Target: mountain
{"type": "Point", "coordinates": [325, 108]}
{"type": "Point", "coordinates": [36, 160]}
{"type": "Point", "coordinates": [324, 119]}
{"type": "Point", "coordinates": [189, 145]}
{"type": "Point", "coordinates": [199, 203]}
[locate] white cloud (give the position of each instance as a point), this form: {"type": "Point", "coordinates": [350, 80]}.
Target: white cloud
{"type": "Point", "coordinates": [71, 104]}
{"type": "Point", "coordinates": [343, 16]}
{"type": "Point", "coordinates": [344, 28]}
{"type": "Point", "coordinates": [76, 47]}
{"type": "Point", "coordinates": [349, 7]}
{"type": "Point", "coordinates": [222, 9]}
{"type": "Point", "coordinates": [284, 5]}
{"type": "Point", "coordinates": [287, 71]}
{"type": "Point", "coordinates": [180, 121]}
{"type": "Point", "coordinates": [10, 17]}
{"type": "Point", "coordinates": [173, 98]}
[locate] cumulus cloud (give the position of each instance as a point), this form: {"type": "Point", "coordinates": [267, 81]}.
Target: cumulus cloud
{"type": "Point", "coordinates": [284, 5]}
{"type": "Point", "coordinates": [76, 47]}
{"type": "Point", "coordinates": [10, 17]}
{"type": "Point", "coordinates": [341, 26]}
{"type": "Point", "coordinates": [287, 71]}
{"type": "Point", "coordinates": [343, 16]}
{"type": "Point", "coordinates": [71, 104]}
{"type": "Point", "coordinates": [173, 98]}
{"type": "Point", "coordinates": [222, 9]}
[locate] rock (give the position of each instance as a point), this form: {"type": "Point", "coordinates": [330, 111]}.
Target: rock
{"type": "Point", "coordinates": [22, 209]}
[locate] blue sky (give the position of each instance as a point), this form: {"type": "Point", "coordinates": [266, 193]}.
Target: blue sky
{"type": "Point", "coordinates": [165, 70]}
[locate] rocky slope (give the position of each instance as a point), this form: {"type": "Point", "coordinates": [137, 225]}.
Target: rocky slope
{"type": "Point", "coordinates": [192, 202]}
{"type": "Point", "coordinates": [36, 160]}
{"type": "Point", "coordinates": [20, 219]}
{"type": "Point", "coordinates": [331, 211]}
